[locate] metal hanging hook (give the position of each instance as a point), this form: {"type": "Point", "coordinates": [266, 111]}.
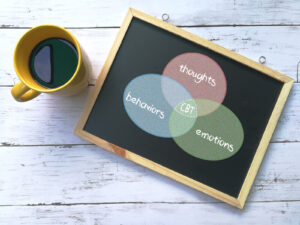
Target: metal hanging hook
{"type": "Point", "coordinates": [262, 59]}
{"type": "Point", "coordinates": [165, 17]}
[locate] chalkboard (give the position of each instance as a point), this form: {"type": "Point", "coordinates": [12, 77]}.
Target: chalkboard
{"type": "Point", "coordinates": [184, 107]}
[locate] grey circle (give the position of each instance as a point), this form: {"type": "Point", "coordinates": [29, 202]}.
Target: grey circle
{"type": "Point", "coordinates": [165, 17]}
{"type": "Point", "coordinates": [262, 59]}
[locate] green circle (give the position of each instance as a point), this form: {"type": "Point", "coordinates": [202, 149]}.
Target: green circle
{"type": "Point", "coordinates": [214, 136]}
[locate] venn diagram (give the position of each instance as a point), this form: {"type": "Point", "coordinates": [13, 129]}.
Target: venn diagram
{"type": "Point", "coordinates": [185, 103]}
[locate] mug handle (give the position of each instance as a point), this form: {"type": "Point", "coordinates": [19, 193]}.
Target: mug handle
{"type": "Point", "coordinates": [22, 93]}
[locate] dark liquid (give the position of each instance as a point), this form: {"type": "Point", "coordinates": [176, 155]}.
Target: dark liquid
{"type": "Point", "coordinates": [53, 62]}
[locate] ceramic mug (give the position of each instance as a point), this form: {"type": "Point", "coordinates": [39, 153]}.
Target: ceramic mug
{"type": "Point", "coordinates": [28, 88]}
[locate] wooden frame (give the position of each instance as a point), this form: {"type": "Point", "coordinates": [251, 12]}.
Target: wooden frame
{"type": "Point", "coordinates": [240, 200]}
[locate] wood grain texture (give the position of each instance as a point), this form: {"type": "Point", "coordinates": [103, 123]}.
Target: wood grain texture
{"type": "Point", "coordinates": [50, 120]}
{"type": "Point", "coordinates": [277, 44]}
{"type": "Point", "coordinates": [93, 13]}
{"type": "Point", "coordinates": [88, 174]}
{"type": "Point", "coordinates": [275, 213]}
{"type": "Point", "coordinates": [83, 173]}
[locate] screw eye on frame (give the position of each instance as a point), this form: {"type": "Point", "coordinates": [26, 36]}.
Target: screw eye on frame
{"type": "Point", "coordinates": [262, 59]}
{"type": "Point", "coordinates": [165, 17]}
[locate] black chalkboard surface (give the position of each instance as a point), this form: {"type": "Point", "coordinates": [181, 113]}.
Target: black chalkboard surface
{"type": "Point", "coordinates": [184, 107]}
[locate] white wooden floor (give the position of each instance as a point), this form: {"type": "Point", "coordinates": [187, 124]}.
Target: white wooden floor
{"type": "Point", "coordinates": [49, 176]}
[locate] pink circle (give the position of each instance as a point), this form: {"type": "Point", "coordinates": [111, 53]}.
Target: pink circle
{"type": "Point", "coordinates": [199, 74]}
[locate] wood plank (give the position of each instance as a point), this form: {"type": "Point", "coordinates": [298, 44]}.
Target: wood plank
{"type": "Point", "coordinates": [288, 127]}
{"type": "Point", "coordinates": [275, 213]}
{"type": "Point", "coordinates": [277, 44]}
{"type": "Point", "coordinates": [45, 120]}
{"type": "Point", "coordinates": [88, 174]}
{"type": "Point", "coordinates": [49, 119]}
{"type": "Point", "coordinates": [92, 13]}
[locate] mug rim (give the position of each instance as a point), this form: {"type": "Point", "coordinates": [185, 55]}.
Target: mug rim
{"type": "Point", "coordinates": [42, 88]}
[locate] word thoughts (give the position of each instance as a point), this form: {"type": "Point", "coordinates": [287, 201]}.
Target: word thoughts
{"type": "Point", "coordinates": [199, 77]}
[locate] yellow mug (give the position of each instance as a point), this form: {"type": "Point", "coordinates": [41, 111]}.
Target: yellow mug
{"type": "Point", "coordinates": [28, 88]}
